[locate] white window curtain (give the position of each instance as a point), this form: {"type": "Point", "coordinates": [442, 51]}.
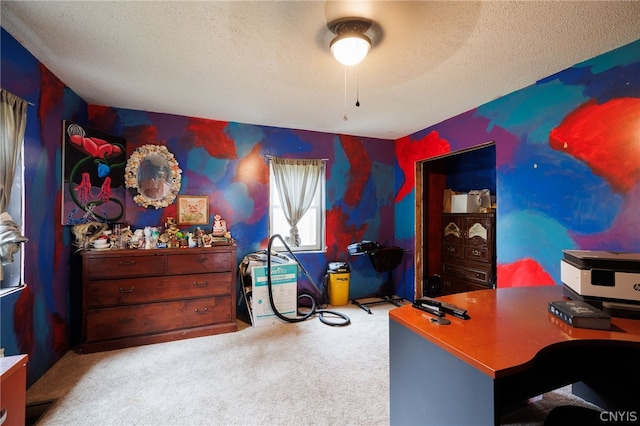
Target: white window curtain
{"type": "Point", "coordinates": [297, 182]}
{"type": "Point", "coordinates": [13, 113]}
{"type": "Point", "coordinates": [13, 122]}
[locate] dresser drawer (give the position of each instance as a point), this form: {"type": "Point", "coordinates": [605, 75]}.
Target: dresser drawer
{"type": "Point", "coordinates": [143, 290]}
{"type": "Point", "coordinates": [480, 254]}
{"type": "Point", "coordinates": [199, 262]}
{"type": "Point", "coordinates": [452, 250]}
{"type": "Point", "coordinates": [478, 273]}
{"type": "Point", "coordinates": [132, 266]}
{"type": "Point", "coordinates": [127, 321]}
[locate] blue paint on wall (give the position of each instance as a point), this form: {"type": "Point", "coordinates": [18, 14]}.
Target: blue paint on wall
{"type": "Point", "coordinates": [549, 200]}
{"type": "Point", "coordinates": [532, 235]}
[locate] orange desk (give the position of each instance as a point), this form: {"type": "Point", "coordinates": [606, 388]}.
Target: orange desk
{"type": "Point", "coordinates": [511, 349]}
{"type": "Point", "coordinates": [13, 388]}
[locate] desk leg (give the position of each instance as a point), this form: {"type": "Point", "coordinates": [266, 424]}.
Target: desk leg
{"type": "Point", "coordinates": [430, 386]}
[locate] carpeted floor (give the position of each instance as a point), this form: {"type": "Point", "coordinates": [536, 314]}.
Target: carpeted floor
{"type": "Point", "coordinates": [275, 375]}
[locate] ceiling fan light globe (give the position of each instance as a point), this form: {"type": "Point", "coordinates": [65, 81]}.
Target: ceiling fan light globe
{"type": "Point", "coordinates": [350, 49]}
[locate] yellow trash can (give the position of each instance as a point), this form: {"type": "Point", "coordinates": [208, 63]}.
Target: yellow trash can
{"type": "Point", "coordinates": [339, 275]}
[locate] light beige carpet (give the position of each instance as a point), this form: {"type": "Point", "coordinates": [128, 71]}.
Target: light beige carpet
{"type": "Point", "coordinates": [286, 374]}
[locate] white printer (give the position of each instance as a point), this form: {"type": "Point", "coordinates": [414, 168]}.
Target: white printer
{"type": "Point", "coordinates": [607, 280]}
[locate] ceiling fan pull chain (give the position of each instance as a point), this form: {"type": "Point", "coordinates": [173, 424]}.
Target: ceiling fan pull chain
{"type": "Point", "coordinates": [357, 85]}
{"type": "Point", "coordinates": [345, 118]}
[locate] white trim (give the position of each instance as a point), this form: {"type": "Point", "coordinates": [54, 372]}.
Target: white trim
{"type": "Point", "coordinates": [8, 290]}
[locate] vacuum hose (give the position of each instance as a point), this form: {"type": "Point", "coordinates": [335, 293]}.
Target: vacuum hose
{"type": "Point", "coordinates": [322, 313]}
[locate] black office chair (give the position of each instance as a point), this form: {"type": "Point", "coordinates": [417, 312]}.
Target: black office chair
{"type": "Point", "coordinates": [383, 259]}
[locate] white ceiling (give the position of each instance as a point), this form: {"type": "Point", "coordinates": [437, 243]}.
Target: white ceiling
{"type": "Point", "coordinates": [268, 62]}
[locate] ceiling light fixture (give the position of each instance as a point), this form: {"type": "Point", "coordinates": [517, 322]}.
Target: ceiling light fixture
{"type": "Point", "coordinates": [351, 45]}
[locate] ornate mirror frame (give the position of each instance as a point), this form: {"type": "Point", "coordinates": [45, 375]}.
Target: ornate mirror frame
{"type": "Point", "coordinates": [171, 183]}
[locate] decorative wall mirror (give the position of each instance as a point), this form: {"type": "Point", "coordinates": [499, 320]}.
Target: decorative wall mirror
{"type": "Point", "coordinates": [153, 173]}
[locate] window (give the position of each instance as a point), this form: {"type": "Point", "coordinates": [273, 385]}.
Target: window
{"type": "Point", "coordinates": [311, 227]}
{"type": "Point", "coordinates": [13, 122]}
{"type": "Point", "coordinates": [13, 273]}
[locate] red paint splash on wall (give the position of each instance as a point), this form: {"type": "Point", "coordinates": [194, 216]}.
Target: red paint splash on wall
{"type": "Point", "coordinates": [141, 134]}
{"type": "Point", "coordinates": [210, 135]}
{"type": "Point", "coordinates": [23, 321]}
{"type": "Point", "coordinates": [523, 273]}
{"type": "Point", "coordinates": [606, 137]}
{"type": "Point", "coordinates": [408, 152]}
{"type": "Point", "coordinates": [102, 117]}
{"type": "Point", "coordinates": [60, 339]}
{"type": "Point", "coordinates": [169, 211]}
{"type": "Point", "coordinates": [50, 94]}
{"type": "Point", "coordinates": [360, 164]}
{"type": "Point", "coordinates": [342, 234]}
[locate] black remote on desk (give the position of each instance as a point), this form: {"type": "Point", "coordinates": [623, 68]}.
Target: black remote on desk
{"type": "Point", "coordinates": [430, 309]}
{"type": "Point", "coordinates": [443, 307]}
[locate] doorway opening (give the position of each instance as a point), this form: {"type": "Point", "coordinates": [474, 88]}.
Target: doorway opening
{"type": "Point", "coordinates": [462, 171]}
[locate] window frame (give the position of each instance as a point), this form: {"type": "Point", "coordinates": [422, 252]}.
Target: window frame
{"type": "Point", "coordinates": [14, 272]}
{"type": "Point", "coordinates": [320, 216]}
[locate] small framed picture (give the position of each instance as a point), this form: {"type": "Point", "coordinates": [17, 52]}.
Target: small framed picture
{"type": "Point", "coordinates": [193, 210]}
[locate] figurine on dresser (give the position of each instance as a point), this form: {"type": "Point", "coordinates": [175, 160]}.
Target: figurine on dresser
{"type": "Point", "coordinates": [219, 226]}
{"type": "Point", "coordinates": [170, 226]}
{"type": "Point", "coordinates": [219, 233]}
{"type": "Point", "coordinates": [84, 234]}
{"type": "Point", "coordinates": [170, 233]}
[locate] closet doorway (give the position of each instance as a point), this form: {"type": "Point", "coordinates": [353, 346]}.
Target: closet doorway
{"type": "Point", "coordinates": [462, 171]}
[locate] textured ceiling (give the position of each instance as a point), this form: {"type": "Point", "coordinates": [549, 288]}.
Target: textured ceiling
{"type": "Point", "coordinates": [268, 62]}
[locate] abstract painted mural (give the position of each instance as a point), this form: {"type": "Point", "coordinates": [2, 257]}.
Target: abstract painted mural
{"type": "Point", "coordinates": [567, 165]}
{"type": "Point", "coordinates": [567, 177]}
{"type": "Point", "coordinates": [227, 162]}
{"type": "Point", "coordinates": [36, 320]}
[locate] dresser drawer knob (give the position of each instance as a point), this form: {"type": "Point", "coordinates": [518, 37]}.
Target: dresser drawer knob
{"type": "Point", "coordinates": [129, 290]}
{"type": "Point", "coordinates": [201, 259]}
{"type": "Point", "coordinates": [127, 262]}
{"type": "Point", "coordinates": [124, 320]}
{"type": "Point", "coordinates": [202, 284]}
{"type": "Point", "coordinates": [451, 249]}
{"type": "Point", "coordinates": [202, 311]}
{"type": "Point", "coordinates": [476, 252]}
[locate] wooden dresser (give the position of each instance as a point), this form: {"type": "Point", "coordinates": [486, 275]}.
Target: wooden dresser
{"type": "Point", "coordinates": [137, 297]}
{"type": "Point", "coordinates": [468, 252]}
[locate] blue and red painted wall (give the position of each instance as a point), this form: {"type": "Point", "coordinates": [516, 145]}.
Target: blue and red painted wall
{"type": "Point", "coordinates": [567, 166]}
{"type": "Point", "coordinates": [551, 196]}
